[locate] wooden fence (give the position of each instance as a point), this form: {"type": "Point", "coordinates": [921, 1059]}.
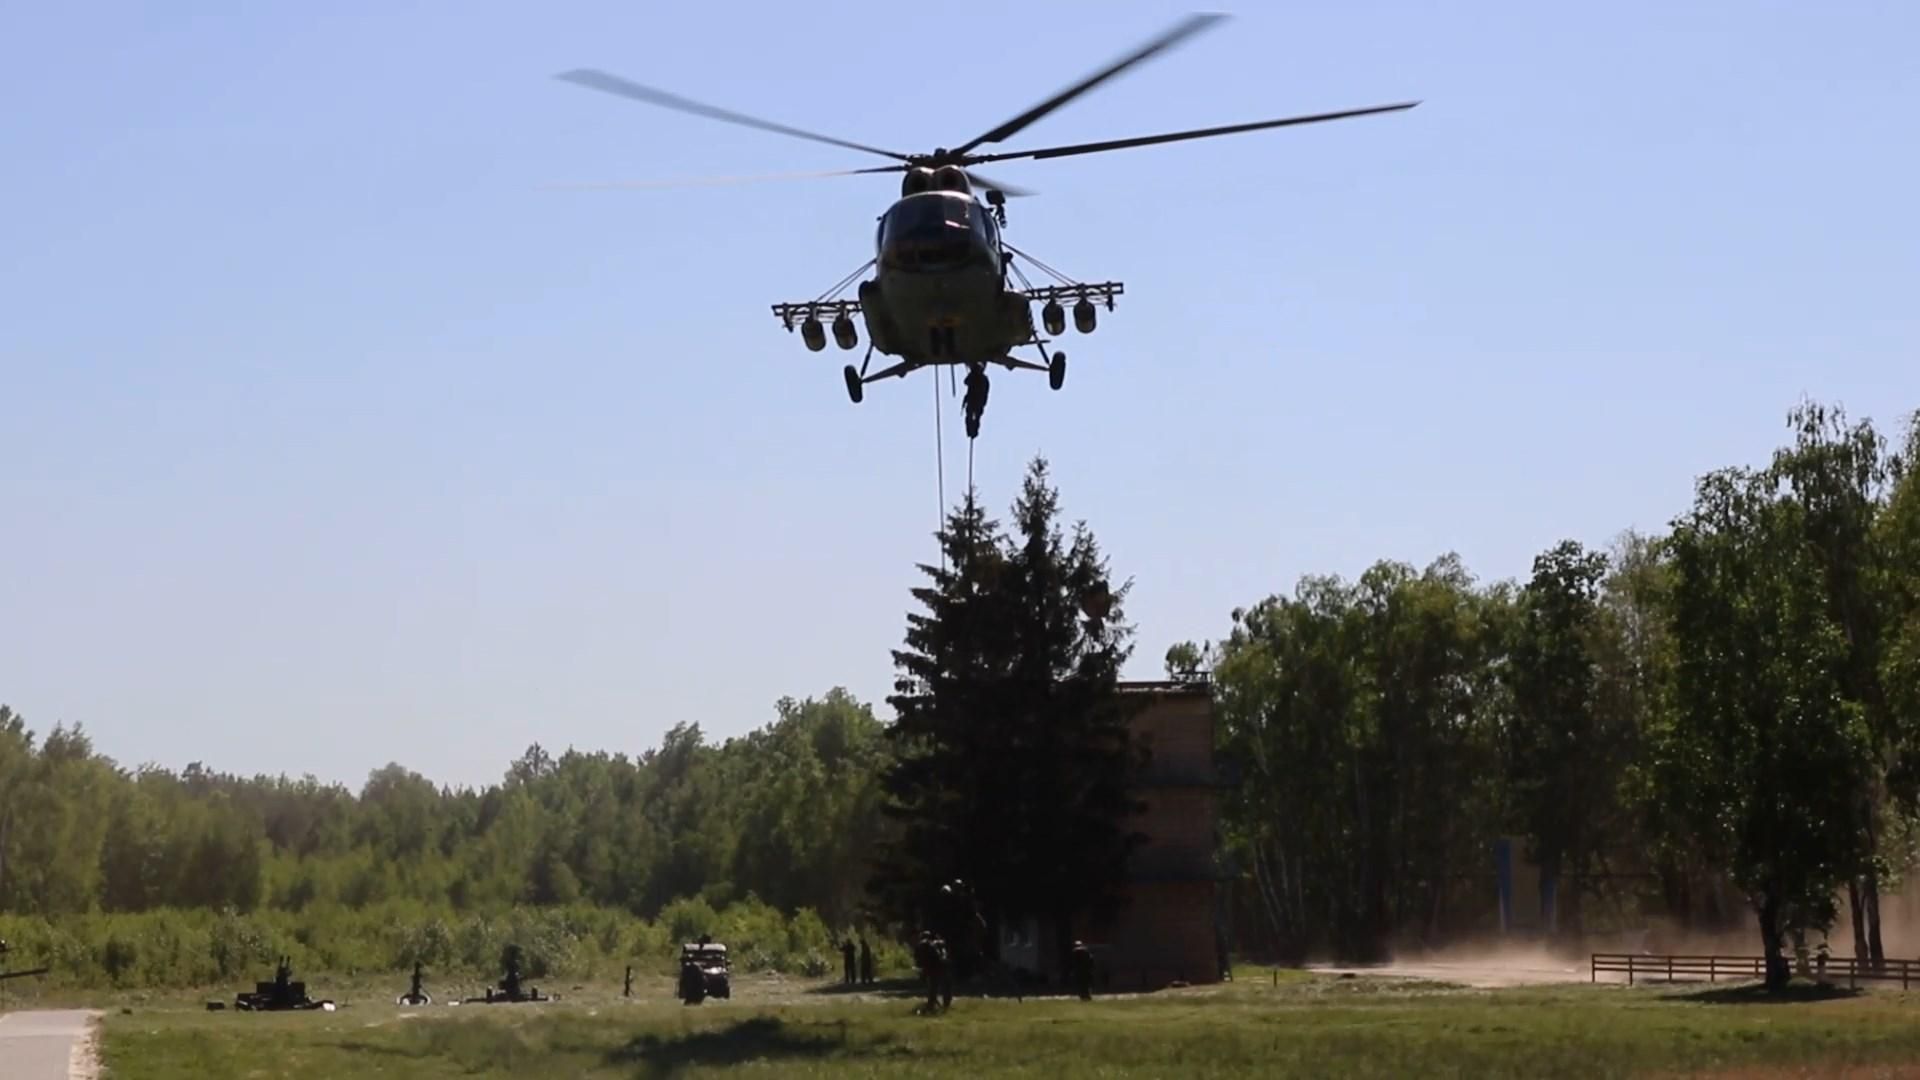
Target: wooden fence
{"type": "Point", "coordinates": [1715, 968]}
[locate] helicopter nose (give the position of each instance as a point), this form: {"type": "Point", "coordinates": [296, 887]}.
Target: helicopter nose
{"type": "Point", "coordinates": [936, 251]}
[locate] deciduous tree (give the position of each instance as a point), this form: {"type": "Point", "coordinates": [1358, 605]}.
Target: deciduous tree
{"type": "Point", "coordinates": [1765, 755]}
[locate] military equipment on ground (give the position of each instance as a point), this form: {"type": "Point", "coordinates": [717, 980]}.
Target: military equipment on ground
{"type": "Point", "coordinates": [283, 993]}
{"type": "Point", "coordinates": [415, 995]}
{"type": "Point", "coordinates": [943, 291]}
{"type": "Point", "coordinates": [5, 975]}
{"type": "Point", "coordinates": [704, 972]}
{"type": "Point", "coordinates": [512, 988]}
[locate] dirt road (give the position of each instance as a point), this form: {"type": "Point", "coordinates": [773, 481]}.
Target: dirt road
{"type": "Point", "coordinates": [1493, 969]}
{"type": "Point", "coordinates": [50, 1044]}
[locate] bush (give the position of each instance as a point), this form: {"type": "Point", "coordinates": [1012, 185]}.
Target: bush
{"type": "Point", "coordinates": [181, 948]}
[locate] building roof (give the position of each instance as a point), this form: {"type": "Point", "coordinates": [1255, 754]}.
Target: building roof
{"type": "Point", "coordinates": [1200, 684]}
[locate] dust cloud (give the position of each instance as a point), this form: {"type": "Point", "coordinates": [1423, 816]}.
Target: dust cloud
{"type": "Point", "coordinates": [1501, 962]}
{"type": "Point", "coordinates": [1899, 924]}
{"type": "Point", "coordinates": [1479, 964]}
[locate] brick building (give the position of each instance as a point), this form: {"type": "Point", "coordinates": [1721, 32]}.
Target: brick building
{"type": "Point", "coordinates": [1170, 926]}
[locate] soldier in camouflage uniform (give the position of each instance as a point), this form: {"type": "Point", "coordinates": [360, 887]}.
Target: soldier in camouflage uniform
{"type": "Point", "coordinates": [931, 957]}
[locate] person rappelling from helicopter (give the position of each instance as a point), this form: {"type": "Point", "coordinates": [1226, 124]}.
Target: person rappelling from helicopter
{"type": "Point", "coordinates": [975, 401]}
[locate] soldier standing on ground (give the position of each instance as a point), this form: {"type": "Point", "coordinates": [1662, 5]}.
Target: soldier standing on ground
{"type": "Point", "coordinates": [846, 954]}
{"type": "Point", "coordinates": [1080, 970]}
{"type": "Point", "coordinates": [931, 957]}
{"type": "Point", "coordinates": [866, 962]}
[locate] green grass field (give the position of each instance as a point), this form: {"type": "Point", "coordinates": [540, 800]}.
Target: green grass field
{"type": "Point", "coordinates": [1306, 1025]}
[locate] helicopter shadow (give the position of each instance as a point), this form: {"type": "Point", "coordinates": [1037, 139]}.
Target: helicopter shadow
{"type": "Point", "coordinates": [768, 1040]}
{"type": "Point", "coordinates": [895, 987]}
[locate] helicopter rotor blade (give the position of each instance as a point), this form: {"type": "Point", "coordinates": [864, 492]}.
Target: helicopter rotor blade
{"type": "Point", "coordinates": [717, 181]}
{"type": "Point", "coordinates": [1182, 30]}
{"type": "Point", "coordinates": [1008, 190]}
{"type": "Point", "coordinates": [1179, 136]}
{"type": "Point", "coordinates": [979, 182]}
{"type": "Point", "coordinates": [614, 84]}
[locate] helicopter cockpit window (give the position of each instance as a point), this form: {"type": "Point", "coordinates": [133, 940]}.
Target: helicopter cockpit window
{"type": "Point", "coordinates": [931, 218]}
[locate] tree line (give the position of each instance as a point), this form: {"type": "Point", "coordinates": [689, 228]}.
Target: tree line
{"type": "Point", "coordinates": [785, 814]}
{"type": "Point", "coordinates": [1006, 767]}
{"type": "Point", "coordinates": [150, 876]}
{"type": "Point", "coordinates": [1713, 723]}
{"type": "Point", "coordinates": [1717, 722]}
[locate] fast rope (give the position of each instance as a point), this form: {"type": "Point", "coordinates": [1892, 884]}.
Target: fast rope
{"type": "Point", "coordinates": [969, 468]}
{"type": "Point", "coordinates": [940, 467]}
{"type": "Point", "coordinates": [940, 463]}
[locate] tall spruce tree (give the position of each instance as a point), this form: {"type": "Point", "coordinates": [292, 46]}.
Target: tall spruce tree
{"type": "Point", "coordinates": [1013, 759]}
{"type": "Point", "coordinates": [942, 778]}
{"type": "Point", "coordinates": [1067, 721]}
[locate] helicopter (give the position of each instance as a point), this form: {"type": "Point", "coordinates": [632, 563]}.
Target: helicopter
{"type": "Point", "coordinates": [943, 291]}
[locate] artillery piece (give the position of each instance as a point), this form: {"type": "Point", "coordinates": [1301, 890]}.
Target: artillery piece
{"type": "Point", "coordinates": [4, 975]}
{"type": "Point", "coordinates": [415, 994]}
{"type": "Point", "coordinates": [283, 993]}
{"type": "Point", "coordinates": [511, 988]}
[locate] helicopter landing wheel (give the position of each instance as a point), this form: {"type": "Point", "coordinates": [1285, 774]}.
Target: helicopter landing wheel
{"type": "Point", "coordinates": [1057, 370]}
{"type": "Point", "coordinates": [854, 389]}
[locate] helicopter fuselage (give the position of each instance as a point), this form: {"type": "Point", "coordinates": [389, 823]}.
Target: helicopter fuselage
{"type": "Point", "coordinates": [939, 294]}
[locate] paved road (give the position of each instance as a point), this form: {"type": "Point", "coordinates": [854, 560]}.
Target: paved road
{"type": "Point", "coordinates": [50, 1044]}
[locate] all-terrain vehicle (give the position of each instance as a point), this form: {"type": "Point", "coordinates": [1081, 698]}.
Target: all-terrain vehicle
{"type": "Point", "coordinates": [704, 972]}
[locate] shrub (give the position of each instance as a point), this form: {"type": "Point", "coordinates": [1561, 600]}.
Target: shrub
{"type": "Point", "coordinates": [181, 948]}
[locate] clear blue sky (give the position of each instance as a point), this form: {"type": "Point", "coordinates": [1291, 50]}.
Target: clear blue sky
{"type": "Point", "coordinates": [334, 435]}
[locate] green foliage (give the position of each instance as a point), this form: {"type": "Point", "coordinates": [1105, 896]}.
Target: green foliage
{"type": "Point", "coordinates": [1566, 753]}
{"type": "Point", "coordinates": [1765, 754]}
{"type": "Point", "coordinates": [1356, 712]}
{"type": "Point", "coordinates": [1834, 478]}
{"type": "Point", "coordinates": [1898, 538]}
{"type": "Point", "coordinates": [148, 878]}
{"type": "Point", "coordinates": [204, 947]}
{"type": "Point", "coordinates": [1735, 702]}
{"type": "Point", "coordinates": [1731, 708]}
{"type": "Point", "coordinates": [787, 813]}
{"type": "Point", "coordinates": [1011, 755]}
{"type": "Point", "coordinates": [1186, 660]}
